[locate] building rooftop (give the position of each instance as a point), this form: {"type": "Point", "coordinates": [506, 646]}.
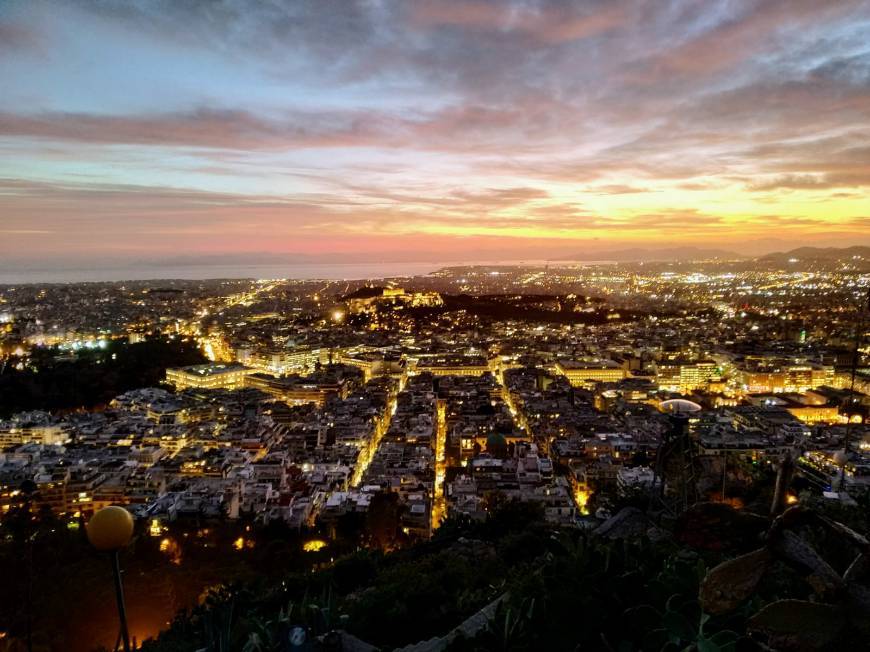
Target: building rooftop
{"type": "Point", "coordinates": [213, 369]}
{"type": "Point", "coordinates": [588, 364]}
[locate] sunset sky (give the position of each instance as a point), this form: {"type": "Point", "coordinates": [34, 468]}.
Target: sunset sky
{"type": "Point", "coordinates": [431, 130]}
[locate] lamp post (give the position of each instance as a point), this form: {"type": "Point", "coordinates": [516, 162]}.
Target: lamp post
{"type": "Point", "coordinates": [110, 530]}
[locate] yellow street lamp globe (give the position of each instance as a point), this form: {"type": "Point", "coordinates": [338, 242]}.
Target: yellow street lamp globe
{"type": "Point", "coordinates": [110, 528]}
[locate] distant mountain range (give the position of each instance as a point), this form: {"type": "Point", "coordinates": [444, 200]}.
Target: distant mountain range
{"type": "Point", "coordinates": [818, 255]}
{"type": "Point", "coordinates": [673, 254]}
{"type": "Point", "coordinates": [800, 258]}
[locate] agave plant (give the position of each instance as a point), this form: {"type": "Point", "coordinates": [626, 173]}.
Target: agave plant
{"type": "Point", "coordinates": [843, 601]}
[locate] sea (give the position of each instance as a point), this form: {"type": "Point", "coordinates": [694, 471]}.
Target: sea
{"type": "Point", "coordinates": [325, 271]}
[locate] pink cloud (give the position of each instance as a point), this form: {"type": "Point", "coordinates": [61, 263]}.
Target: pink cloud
{"type": "Point", "coordinates": [752, 28]}
{"type": "Point", "coordinates": [547, 24]}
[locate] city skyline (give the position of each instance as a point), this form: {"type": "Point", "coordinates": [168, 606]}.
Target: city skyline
{"type": "Point", "coordinates": [434, 130]}
{"type": "Point", "coordinates": [400, 442]}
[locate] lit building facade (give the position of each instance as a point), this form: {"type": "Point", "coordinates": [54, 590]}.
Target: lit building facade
{"type": "Point", "coordinates": [453, 366]}
{"type": "Point", "coordinates": [209, 376]}
{"type": "Point", "coordinates": [587, 374]}
{"type": "Point", "coordinates": [683, 376]}
{"type": "Point", "coordinates": [785, 378]}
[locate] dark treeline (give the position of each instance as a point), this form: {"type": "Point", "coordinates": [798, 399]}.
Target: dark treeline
{"type": "Point", "coordinates": [532, 308]}
{"type": "Point", "coordinates": [90, 377]}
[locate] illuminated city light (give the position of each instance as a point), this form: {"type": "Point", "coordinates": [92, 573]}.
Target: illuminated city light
{"type": "Point", "coordinates": [314, 545]}
{"type": "Point", "coordinates": [581, 497]}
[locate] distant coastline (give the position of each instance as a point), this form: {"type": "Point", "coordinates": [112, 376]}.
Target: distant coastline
{"type": "Point", "coordinates": [302, 271]}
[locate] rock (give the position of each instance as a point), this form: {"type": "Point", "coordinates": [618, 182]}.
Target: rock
{"type": "Point", "coordinates": [798, 625]}
{"type": "Point", "coordinates": [798, 554]}
{"type": "Point", "coordinates": [628, 523]}
{"type": "Point", "coordinates": [718, 526]}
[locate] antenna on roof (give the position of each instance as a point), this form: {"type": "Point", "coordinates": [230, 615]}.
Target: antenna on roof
{"type": "Point", "coordinates": [675, 459]}
{"type": "Point", "coordinates": [850, 401]}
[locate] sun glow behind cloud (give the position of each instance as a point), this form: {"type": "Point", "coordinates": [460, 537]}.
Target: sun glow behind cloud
{"type": "Point", "coordinates": [430, 129]}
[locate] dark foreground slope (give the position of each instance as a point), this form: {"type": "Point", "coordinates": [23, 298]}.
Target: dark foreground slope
{"type": "Point", "coordinates": [540, 588]}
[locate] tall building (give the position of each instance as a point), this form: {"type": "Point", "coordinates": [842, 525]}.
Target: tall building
{"type": "Point", "coordinates": [683, 375]}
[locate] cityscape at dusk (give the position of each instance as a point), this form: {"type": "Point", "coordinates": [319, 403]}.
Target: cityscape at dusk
{"type": "Point", "coordinates": [434, 325]}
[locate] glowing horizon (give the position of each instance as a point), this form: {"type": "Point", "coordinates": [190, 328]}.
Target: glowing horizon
{"type": "Point", "coordinates": [433, 128]}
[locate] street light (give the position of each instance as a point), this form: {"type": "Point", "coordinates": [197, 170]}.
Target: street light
{"type": "Point", "coordinates": [110, 530]}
